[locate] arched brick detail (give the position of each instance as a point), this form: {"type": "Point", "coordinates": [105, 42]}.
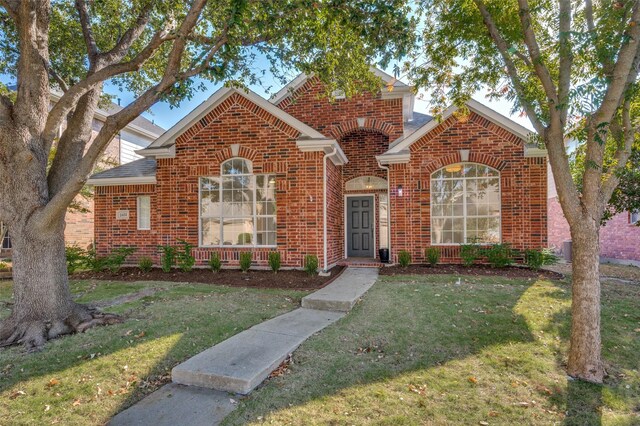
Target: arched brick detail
{"type": "Point", "coordinates": [236, 99]}
{"type": "Point", "coordinates": [370, 125]}
{"type": "Point", "coordinates": [453, 158]}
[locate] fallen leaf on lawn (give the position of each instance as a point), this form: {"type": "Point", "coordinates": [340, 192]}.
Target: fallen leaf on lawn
{"type": "Point", "coordinates": [17, 394]}
{"type": "Point", "coordinates": [47, 408]}
{"type": "Point", "coordinates": [53, 382]}
{"type": "Point", "coordinates": [473, 380]}
{"type": "Point", "coordinates": [420, 390]}
{"type": "Point", "coordinates": [128, 333]}
{"type": "Point", "coordinates": [76, 402]}
{"type": "Point", "coordinates": [140, 335]}
{"type": "Point", "coordinates": [493, 414]}
{"type": "Point", "coordinates": [483, 423]}
{"type": "Point", "coordinates": [523, 404]}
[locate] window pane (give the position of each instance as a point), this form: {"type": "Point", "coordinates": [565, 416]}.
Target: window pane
{"type": "Point", "coordinates": [236, 166]}
{"type": "Point", "coordinates": [144, 212]}
{"type": "Point", "coordinates": [210, 232]}
{"type": "Point", "coordinates": [237, 232]}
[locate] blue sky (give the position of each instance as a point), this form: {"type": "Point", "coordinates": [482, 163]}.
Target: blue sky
{"type": "Point", "coordinates": [165, 116]}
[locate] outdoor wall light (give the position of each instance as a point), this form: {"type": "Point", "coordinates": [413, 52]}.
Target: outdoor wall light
{"type": "Point", "coordinates": [399, 190]}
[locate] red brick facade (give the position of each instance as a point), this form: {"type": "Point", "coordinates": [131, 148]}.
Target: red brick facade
{"type": "Point", "coordinates": [364, 128]}
{"type": "Point", "coordinates": [619, 238]}
{"type": "Point", "coordinates": [522, 180]}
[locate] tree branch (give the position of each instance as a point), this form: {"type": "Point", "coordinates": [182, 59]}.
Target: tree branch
{"type": "Point", "coordinates": [566, 59]}
{"type": "Point", "coordinates": [87, 31]}
{"type": "Point", "coordinates": [534, 51]}
{"type": "Point", "coordinates": [131, 35]}
{"type": "Point", "coordinates": [503, 49]}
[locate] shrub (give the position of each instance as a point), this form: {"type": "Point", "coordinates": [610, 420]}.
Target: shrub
{"type": "Point", "coordinates": [404, 258]}
{"type": "Point", "coordinates": [93, 262]}
{"type": "Point", "coordinates": [311, 264]}
{"type": "Point", "coordinates": [76, 258]}
{"type": "Point", "coordinates": [535, 259]}
{"type": "Point", "coordinates": [4, 267]}
{"type": "Point", "coordinates": [499, 255]}
{"type": "Point", "coordinates": [145, 264]}
{"type": "Point", "coordinates": [245, 261]}
{"type": "Point", "coordinates": [184, 257]}
{"type": "Point", "coordinates": [214, 262]}
{"type": "Point", "coordinates": [114, 261]}
{"type": "Point", "coordinates": [469, 253]}
{"type": "Point", "coordinates": [274, 261]}
{"type": "Point", "coordinates": [168, 257]}
{"type": "Point", "coordinates": [432, 254]}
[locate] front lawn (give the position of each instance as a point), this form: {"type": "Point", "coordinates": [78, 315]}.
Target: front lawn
{"type": "Point", "coordinates": [424, 350]}
{"type": "Point", "coordinates": [87, 378]}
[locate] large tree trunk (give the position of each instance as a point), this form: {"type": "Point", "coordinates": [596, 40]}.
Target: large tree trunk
{"type": "Point", "coordinates": [43, 307]}
{"type": "Point", "coordinates": [585, 360]}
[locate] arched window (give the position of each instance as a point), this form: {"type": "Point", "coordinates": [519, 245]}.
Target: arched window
{"type": "Point", "coordinates": [465, 204]}
{"type": "Point", "coordinates": [238, 208]}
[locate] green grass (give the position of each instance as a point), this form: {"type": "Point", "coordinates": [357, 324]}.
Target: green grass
{"type": "Point", "coordinates": [86, 378]}
{"type": "Point", "coordinates": [422, 350]}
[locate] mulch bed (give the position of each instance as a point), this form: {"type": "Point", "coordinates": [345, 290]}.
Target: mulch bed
{"type": "Point", "coordinates": [284, 279]}
{"type": "Point", "coordinates": [477, 270]}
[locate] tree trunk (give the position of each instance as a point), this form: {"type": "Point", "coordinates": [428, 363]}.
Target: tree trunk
{"type": "Point", "coordinates": [43, 308]}
{"type": "Point", "coordinates": [585, 360]}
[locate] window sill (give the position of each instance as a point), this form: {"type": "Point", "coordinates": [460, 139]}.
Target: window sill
{"type": "Point", "coordinates": [238, 247]}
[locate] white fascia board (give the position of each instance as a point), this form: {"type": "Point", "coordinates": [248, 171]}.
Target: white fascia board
{"type": "Point", "coordinates": [161, 152]}
{"type": "Point", "coordinates": [142, 180]}
{"type": "Point", "coordinates": [474, 106]}
{"type": "Point", "coordinates": [324, 145]}
{"type": "Point", "coordinates": [395, 158]}
{"type": "Point", "coordinates": [289, 88]}
{"type": "Point", "coordinates": [169, 137]}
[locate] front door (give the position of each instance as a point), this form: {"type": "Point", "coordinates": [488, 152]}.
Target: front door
{"type": "Point", "coordinates": [360, 226]}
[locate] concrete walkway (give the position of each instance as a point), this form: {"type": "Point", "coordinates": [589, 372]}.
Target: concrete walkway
{"type": "Point", "coordinates": [242, 362]}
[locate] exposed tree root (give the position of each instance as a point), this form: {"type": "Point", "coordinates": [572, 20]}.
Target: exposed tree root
{"type": "Point", "coordinates": [33, 334]}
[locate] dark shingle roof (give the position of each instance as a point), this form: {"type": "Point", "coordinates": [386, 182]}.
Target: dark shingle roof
{"type": "Point", "coordinates": [418, 121]}
{"type": "Point", "coordinates": [144, 167]}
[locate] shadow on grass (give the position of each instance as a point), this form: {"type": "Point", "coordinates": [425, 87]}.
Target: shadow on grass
{"type": "Point", "coordinates": [405, 325]}
{"type": "Point", "coordinates": [159, 332]}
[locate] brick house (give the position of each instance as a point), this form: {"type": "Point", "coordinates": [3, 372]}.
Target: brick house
{"type": "Point", "coordinates": [619, 237]}
{"type": "Point", "coordinates": [302, 175]}
{"type": "Point", "coordinates": [121, 150]}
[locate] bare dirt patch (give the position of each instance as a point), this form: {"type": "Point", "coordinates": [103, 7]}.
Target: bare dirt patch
{"type": "Point", "coordinates": [475, 270]}
{"type": "Point", "coordinates": [285, 279]}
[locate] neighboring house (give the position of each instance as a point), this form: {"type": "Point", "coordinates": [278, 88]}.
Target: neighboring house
{"type": "Point", "coordinates": [619, 237]}
{"type": "Point", "coordinates": [137, 135]}
{"type": "Point", "coordinates": [302, 175]}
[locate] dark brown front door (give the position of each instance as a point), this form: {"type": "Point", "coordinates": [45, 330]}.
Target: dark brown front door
{"type": "Point", "coordinates": [360, 226]}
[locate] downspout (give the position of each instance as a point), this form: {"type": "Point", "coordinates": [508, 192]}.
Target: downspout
{"type": "Point", "coordinates": [388, 207]}
{"type": "Point", "coordinates": [324, 204]}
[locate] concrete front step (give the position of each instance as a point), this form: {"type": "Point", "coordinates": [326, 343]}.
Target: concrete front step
{"type": "Point", "coordinates": [344, 292]}
{"type": "Point", "coordinates": [242, 362]}
{"type": "Point", "coordinates": [178, 405]}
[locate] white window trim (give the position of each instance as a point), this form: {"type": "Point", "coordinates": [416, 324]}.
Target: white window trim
{"type": "Point", "coordinates": [138, 210]}
{"type": "Point", "coordinates": [631, 217]}
{"type": "Point", "coordinates": [254, 216]}
{"type": "Point", "coordinates": [464, 205]}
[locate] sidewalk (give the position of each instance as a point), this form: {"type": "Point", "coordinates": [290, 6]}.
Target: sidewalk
{"type": "Point", "coordinates": [242, 362]}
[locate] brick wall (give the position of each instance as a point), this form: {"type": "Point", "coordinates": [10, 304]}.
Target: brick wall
{"type": "Point", "coordinates": [79, 228]}
{"type": "Point", "coordinates": [266, 141]}
{"type": "Point", "coordinates": [309, 105]}
{"type": "Point", "coordinates": [619, 239]}
{"type": "Point", "coordinates": [523, 185]}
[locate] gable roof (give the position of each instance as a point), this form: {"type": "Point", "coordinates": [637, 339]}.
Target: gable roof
{"type": "Point", "coordinates": [399, 86]}
{"type": "Point", "coordinates": [399, 149]}
{"type": "Point", "coordinates": [162, 145]}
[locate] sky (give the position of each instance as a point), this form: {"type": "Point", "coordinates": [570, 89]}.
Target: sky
{"type": "Point", "coordinates": [164, 116]}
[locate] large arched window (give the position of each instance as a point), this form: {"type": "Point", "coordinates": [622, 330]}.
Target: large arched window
{"type": "Point", "coordinates": [465, 204]}
{"type": "Point", "coordinates": [238, 208]}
